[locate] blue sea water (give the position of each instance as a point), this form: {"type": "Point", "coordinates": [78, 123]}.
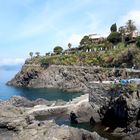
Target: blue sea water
{"type": "Point", "coordinates": [30, 93]}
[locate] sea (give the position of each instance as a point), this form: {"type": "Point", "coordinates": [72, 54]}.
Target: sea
{"type": "Point", "coordinates": [8, 72]}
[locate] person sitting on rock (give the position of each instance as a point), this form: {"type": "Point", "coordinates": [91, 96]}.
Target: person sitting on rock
{"type": "Point", "coordinates": [92, 121]}
{"type": "Point", "coordinates": [73, 118]}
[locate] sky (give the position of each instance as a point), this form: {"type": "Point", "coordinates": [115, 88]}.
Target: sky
{"type": "Point", "coordinates": [40, 25]}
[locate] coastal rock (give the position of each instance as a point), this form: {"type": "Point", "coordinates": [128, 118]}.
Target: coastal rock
{"type": "Point", "coordinates": [98, 94]}
{"type": "Point", "coordinates": [85, 111]}
{"type": "Point", "coordinates": [71, 78]}
{"type": "Point", "coordinates": [12, 118]}
{"type": "Point", "coordinates": [16, 124]}
{"type": "Point", "coordinates": [50, 131]}
{"type": "Point", "coordinates": [19, 101]}
{"type": "Point", "coordinates": [117, 110]}
{"type": "Point", "coordinates": [129, 133]}
{"type": "Point", "coordinates": [122, 113]}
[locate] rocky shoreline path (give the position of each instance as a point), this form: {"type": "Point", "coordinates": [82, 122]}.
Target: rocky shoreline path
{"type": "Point", "coordinates": [67, 108]}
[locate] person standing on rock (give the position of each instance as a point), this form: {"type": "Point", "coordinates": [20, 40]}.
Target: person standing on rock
{"type": "Point", "coordinates": [92, 121]}
{"type": "Point", "coordinates": [100, 79]}
{"type": "Point", "coordinates": [138, 94]}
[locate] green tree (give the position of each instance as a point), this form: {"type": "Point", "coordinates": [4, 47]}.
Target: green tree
{"type": "Point", "coordinates": [37, 54]}
{"type": "Point", "coordinates": [114, 38]}
{"type": "Point", "coordinates": [85, 43]}
{"type": "Point", "coordinates": [31, 54]}
{"type": "Point", "coordinates": [130, 27]}
{"type": "Point", "coordinates": [113, 28]}
{"type": "Point", "coordinates": [69, 45]}
{"type": "Point", "coordinates": [47, 54]}
{"type": "Point", "coordinates": [138, 41]}
{"type": "Point", "coordinates": [58, 50]}
{"type": "Point", "coordinates": [122, 31]}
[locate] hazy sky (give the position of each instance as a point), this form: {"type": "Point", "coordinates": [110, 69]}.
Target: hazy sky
{"type": "Point", "coordinates": [40, 25]}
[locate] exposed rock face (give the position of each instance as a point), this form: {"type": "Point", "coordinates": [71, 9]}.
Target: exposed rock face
{"type": "Point", "coordinates": [120, 112]}
{"type": "Point", "coordinates": [23, 79]}
{"type": "Point", "coordinates": [19, 101]}
{"type": "Point", "coordinates": [75, 78]}
{"type": "Point", "coordinates": [17, 124]}
{"type": "Point", "coordinates": [49, 131]}
{"type": "Point", "coordinates": [98, 94]}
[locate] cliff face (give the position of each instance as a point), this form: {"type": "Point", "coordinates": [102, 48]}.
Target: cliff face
{"type": "Point", "coordinates": [76, 78]}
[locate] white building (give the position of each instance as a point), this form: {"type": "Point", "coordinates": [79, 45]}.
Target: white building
{"type": "Point", "coordinates": [135, 34]}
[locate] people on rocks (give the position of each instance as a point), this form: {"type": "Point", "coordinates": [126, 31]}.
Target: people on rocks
{"type": "Point", "coordinates": [92, 121]}
{"type": "Point", "coordinates": [73, 118]}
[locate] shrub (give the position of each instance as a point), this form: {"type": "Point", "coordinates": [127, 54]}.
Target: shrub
{"type": "Point", "coordinates": [114, 38]}
{"type": "Point", "coordinates": [138, 41]}
{"type": "Point", "coordinates": [58, 50]}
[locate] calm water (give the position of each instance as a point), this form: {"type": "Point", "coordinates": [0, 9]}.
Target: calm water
{"type": "Point", "coordinates": [64, 120]}
{"type": "Point", "coordinates": [49, 94]}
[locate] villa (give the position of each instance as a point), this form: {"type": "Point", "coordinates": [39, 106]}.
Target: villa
{"type": "Point", "coordinates": [96, 38]}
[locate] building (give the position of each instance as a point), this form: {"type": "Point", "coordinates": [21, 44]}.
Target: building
{"type": "Point", "coordinates": [135, 34]}
{"type": "Point", "coordinates": [96, 38]}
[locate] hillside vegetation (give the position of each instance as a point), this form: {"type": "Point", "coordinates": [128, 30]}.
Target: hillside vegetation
{"type": "Point", "coordinates": [120, 56]}
{"type": "Point", "coordinates": [120, 49]}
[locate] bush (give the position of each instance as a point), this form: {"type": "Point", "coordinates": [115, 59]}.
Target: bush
{"type": "Point", "coordinates": [138, 41]}
{"type": "Point", "coordinates": [114, 38]}
{"type": "Point", "coordinates": [58, 50]}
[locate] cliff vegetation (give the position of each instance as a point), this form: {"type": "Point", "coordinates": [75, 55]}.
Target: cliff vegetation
{"type": "Point", "coordinates": [121, 48]}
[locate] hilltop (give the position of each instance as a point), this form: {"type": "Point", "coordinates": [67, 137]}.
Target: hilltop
{"type": "Point", "coordinates": [97, 58]}
{"type": "Point", "coordinates": [121, 48]}
{"type": "Point", "coordinates": [120, 56]}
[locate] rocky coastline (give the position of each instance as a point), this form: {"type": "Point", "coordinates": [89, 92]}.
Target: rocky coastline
{"type": "Point", "coordinates": [120, 114]}
{"type": "Point", "coordinates": [17, 121]}
{"type": "Point", "coordinates": [117, 108]}
{"type": "Point", "coordinates": [70, 78]}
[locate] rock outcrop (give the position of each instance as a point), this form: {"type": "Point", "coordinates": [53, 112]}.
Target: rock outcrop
{"type": "Point", "coordinates": [117, 108]}
{"type": "Point", "coordinates": [17, 124]}
{"type": "Point", "coordinates": [75, 78]}
{"type": "Point", "coordinates": [120, 111]}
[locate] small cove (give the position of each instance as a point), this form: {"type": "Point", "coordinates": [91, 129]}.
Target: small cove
{"type": "Point", "coordinates": [49, 94]}
{"type": "Point", "coordinates": [30, 93]}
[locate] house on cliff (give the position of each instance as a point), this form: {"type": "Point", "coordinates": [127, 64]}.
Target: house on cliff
{"type": "Point", "coordinates": [96, 38]}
